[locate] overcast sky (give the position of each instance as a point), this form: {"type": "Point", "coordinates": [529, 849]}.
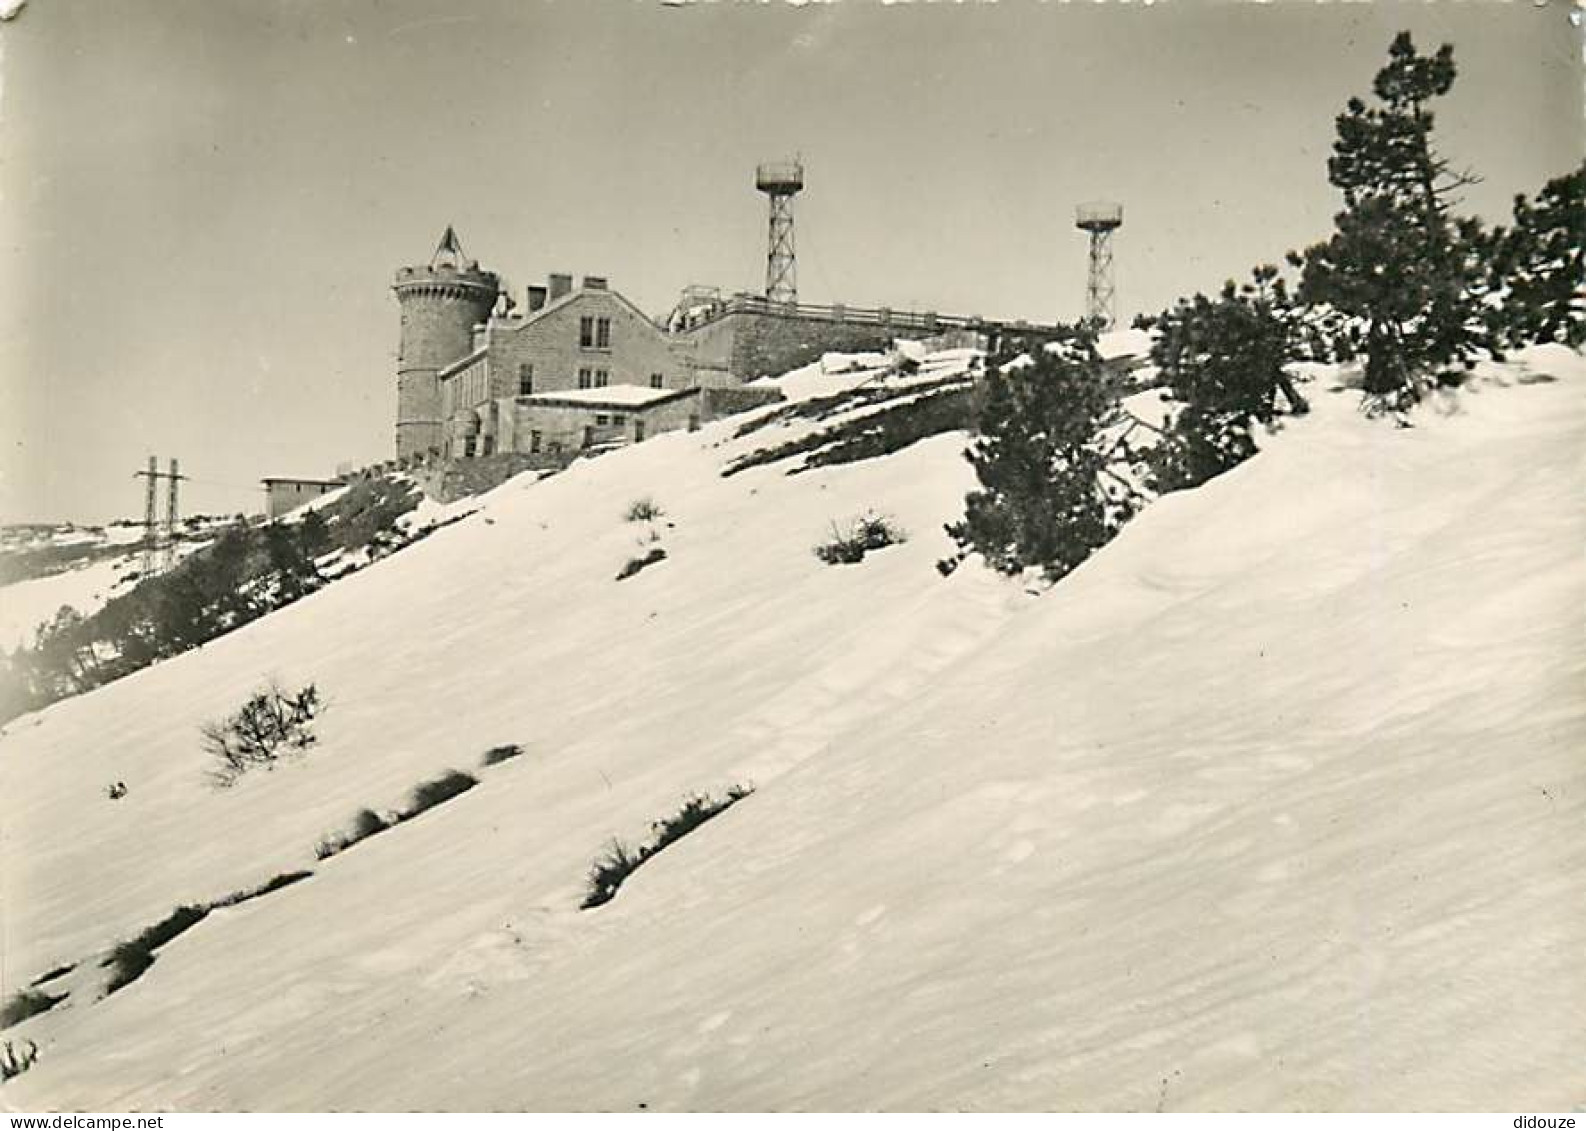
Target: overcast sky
{"type": "Point", "coordinates": [202, 201]}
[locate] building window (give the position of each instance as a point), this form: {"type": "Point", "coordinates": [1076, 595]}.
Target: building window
{"type": "Point", "coordinates": [594, 333]}
{"type": "Point", "coordinates": [534, 443]}
{"type": "Point", "coordinates": [586, 378]}
{"type": "Point", "coordinates": [602, 378]}
{"type": "Point", "coordinates": [525, 379]}
{"type": "Point", "coordinates": [618, 418]}
{"type": "Point", "coordinates": [655, 380]}
{"type": "Point", "coordinates": [601, 420]}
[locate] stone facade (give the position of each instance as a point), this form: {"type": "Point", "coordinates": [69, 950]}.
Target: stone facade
{"type": "Point", "coordinates": [586, 338]}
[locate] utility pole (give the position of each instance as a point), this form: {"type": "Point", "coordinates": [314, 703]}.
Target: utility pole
{"type": "Point", "coordinates": [170, 517]}
{"type": "Point", "coordinates": [149, 497]}
{"type": "Point", "coordinates": [156, 536]}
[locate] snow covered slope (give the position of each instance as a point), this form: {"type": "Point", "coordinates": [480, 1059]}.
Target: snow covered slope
{"type": "Point", "coordinates": [1275, 803]}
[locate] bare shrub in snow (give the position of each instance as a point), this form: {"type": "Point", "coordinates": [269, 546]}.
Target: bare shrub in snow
{"type": "Point", "coordinates": [868, 532]}
{"type": "Point", "coordinates": [619, 861]}
{"type": "Point", "coordinates": [270, 724]}
{"type": "Point", "coordinates": [16, 1059]}
{"type": "Point", "coordinates": [607, 873]}
{"type": "Point", "coordinates": [644, 510]}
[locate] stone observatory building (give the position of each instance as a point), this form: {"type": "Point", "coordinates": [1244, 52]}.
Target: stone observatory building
{"type": "Point", "coordinates": [574, 366]}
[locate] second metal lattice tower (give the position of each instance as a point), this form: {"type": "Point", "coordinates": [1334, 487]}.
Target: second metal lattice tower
{"type": "Point", "coordinates": [1101, 219]}
{"type": "Point", "coordinates": [159, 539]}
{"type": "Point", "coordinates": [781, 181]}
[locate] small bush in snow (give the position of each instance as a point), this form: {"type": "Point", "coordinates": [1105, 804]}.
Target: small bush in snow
{"type": "Point", "coordinates": [16, 1059]}
{"type": "Point", "coordinates": [695, 812]}
{"type": "Point", "coordinates": [275, 883]}
{"type": "Point", "coordinates": [608, 871]}
{"type": "Point", "coordinates": [498, 754]}
{"type": "Point", "coordinates": [644, 510]}
{"type": "Point", "coordinates": [365, 825]}
{"type": "Point", "coordinates": [432, 793]}
{"type": "Point", "coordinates": [619, 861]}
{"type": "Point", "coordinates": [865, 533]}
{"type": "Point", "coordinates": [636, 564]}
{"type": "Point", "coordinates": [27, 1004]}
{"type": "Point", "coordinates": [269, 724]}
{"type": "Point", "coordinates": [128, 960]}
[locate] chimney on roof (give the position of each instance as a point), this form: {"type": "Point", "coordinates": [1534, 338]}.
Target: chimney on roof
{"type": "Point", "coordinates": [560, 285]}
{"type": "Point", "coordinates": [536, 298]}
{"type": "Point", "coordinates": [594, 282]}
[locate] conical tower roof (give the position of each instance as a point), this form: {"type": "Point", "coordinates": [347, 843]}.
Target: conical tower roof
{"type": "Point", "coordinates": [449, 264]}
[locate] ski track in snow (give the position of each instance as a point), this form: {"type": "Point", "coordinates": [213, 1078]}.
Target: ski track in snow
{"type": "Point", "coordinates": [1274, 803]}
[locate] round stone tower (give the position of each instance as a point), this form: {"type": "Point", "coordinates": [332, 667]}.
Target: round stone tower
{"type": "Point", "coordinates": [441, 304]}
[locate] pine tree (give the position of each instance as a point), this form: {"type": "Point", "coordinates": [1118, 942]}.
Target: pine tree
{"type": "Point", "coordinates": [1400, 269]}
{"type": "Point", "coordinates": [1223, 360]}
{"type": "Point", "coordinates": [1539, 266]}
{"type": "Point", "coordinates": [290, 563]}
{"type": "Point", "coordinates": [1041, 456]}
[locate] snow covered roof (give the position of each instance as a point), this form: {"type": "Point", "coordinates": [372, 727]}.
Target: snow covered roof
{"type": "Point", "coordinates": [1123, 343]}
{"type": "Point", "coordinates": [310, 480]}
{"type": "Point", "coordinates": [611, 396]}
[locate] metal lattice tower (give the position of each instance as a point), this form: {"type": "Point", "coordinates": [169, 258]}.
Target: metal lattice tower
{"type": "Point", "coordinates": [781, 181]}
{"type": "Point", "coordinates": [151, 494]}
{"type": "Point", "coordinates": [168, 558]}
{"type": "Point", "coordinates": [1101, 219]}
{"type": "Point", "coordinates": [159, 538]}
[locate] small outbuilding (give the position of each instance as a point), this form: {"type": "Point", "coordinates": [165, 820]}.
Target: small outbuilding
{"type": "Point", "coordinates": [286, 493]}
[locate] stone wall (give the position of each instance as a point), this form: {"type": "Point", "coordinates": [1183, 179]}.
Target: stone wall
{"type": "Point", "coordinates": [717, 403]}
{"type": "Point", "coordinates": [750, 344]}
{"type": "Point", "coordinates": [449, 480]}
